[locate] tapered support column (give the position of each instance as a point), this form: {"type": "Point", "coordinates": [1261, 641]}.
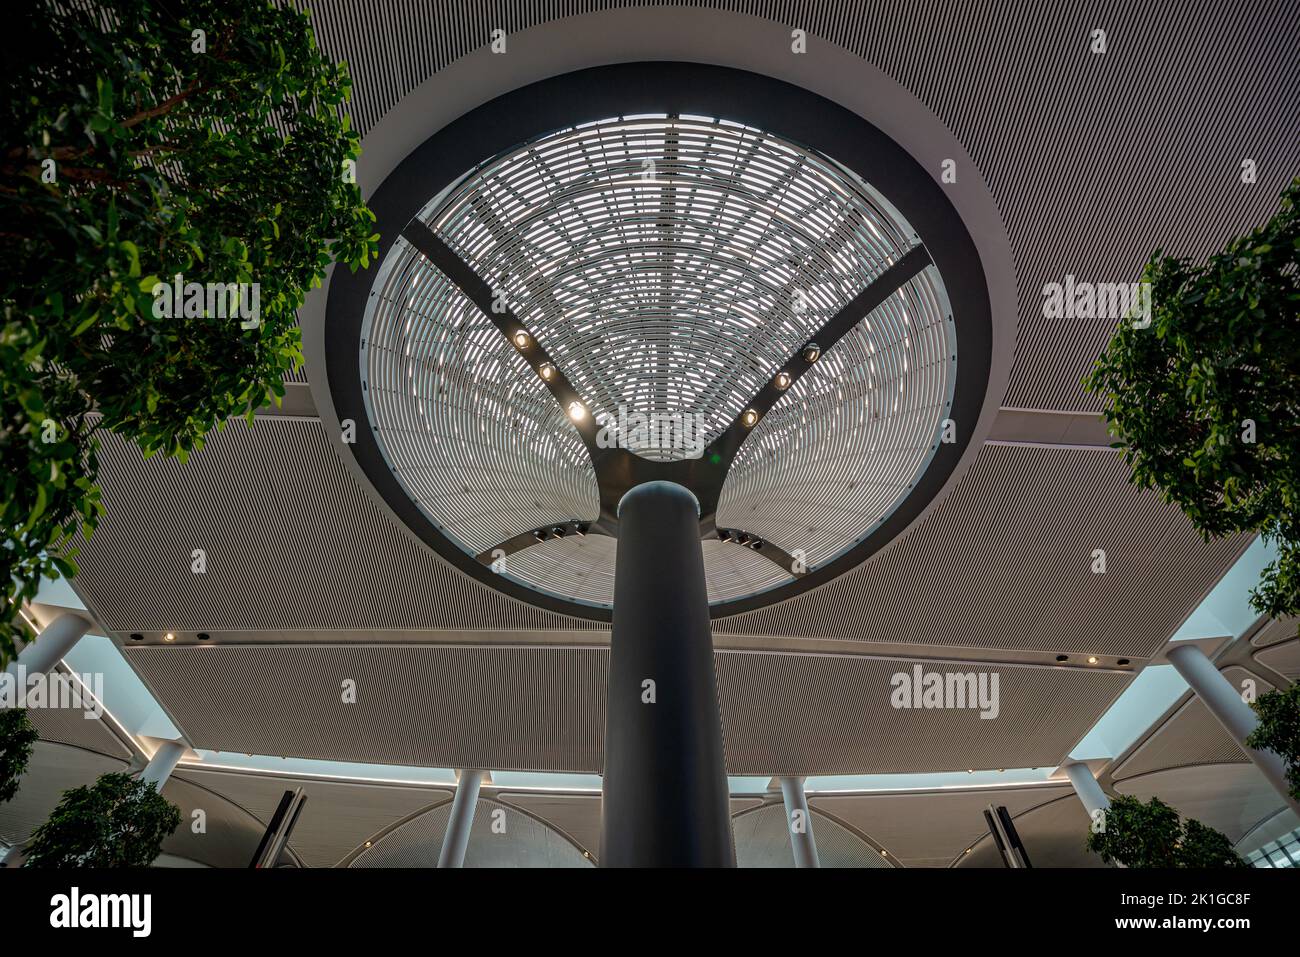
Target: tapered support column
{"type": "Point", "coordinates": [665, 787]}
{"type": "Point", "coordinates": [456, 840]}
{"type": "Point", "coordinates": [163, 763]}
{"type": "Point", "coordinates": [1225, 703]}
{"type": "Point", "coordinates": [51, 645]}
{"type": "Point", "coordinates": [1086, 787]}
{"type": "Point", "coordinates": [799, 821]}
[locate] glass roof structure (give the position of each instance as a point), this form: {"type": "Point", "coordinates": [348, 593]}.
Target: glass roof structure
{"type": "Point", "coordinates": [670, 266]}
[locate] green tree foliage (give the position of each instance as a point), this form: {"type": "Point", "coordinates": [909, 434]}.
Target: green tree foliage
{"type": "Point", "coordinates": [16, 739]}
{"type": "Point", "coordinates": [120, 821]}
{"type": "Point", "coordinates": [1151, 835]}
{"type": "Point", "coordinates": [1206, 401]}
{"type": "Point", "coordinates": [204, 139]}
{"type": "Point", "coordinates": [1279, 730]}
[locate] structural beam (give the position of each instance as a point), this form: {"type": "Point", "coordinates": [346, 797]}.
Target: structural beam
{"type": "Point", "coordinates": [798, 820]}
{"type": "Point", "coordinates": [1230, 710]}
{"type": "Point", "coordinates": [54, 642]}
{"type": "Point", "coordinates": [490, 302]}
{"type": "Point", "coordinates": [456, 840]}
{"type": "Point", "coordinates": [665, 798]}
{"type": "Point", "coordinates": [825, 336]}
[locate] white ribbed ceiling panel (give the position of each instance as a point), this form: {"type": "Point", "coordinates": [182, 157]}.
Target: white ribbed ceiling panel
{"type": "Point", "coordinates": [470, 432]}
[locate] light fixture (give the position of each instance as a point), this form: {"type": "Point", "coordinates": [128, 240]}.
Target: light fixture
{"type": "Point", "coordinates": [546, 371]}
{"type": "Point", "coordinates": [540, 534]}
{"type": "Point", "coordinates": [577, 411]}
{"type": "Point", "coordinates": [742, 538]}
{"type": "Point", "coordinates": [580, 530]}
{"type": "Point", "coordinates": [368, 843]}
{"type": "Point", "coordinates": [1122, 662]}
{"type": "Point", "coordinates": [749, 418]}
{"type": "Point", "coordinates": [136, 636]}
{"type": "Point", "coordinates": [812, 352]}
{"type": "Point", "coordinates": [724, 535]}
{"type": "Point", "coordinates": [203, 636]}
{"type": "Point", "coordinates": [558, 531]}
{"type": "Point", "coordinates": [782, 380]}
{"type": "Point", "coordinates": [521, 340]}
{"type": "Point", "coordinates": [756, 544]}
{"type": "Point", "coordinates": [1092, 659]}
{"type": "Point", "coordinates": [1062, 657]}
{"type": "Point", "coordinates": [169, 637]}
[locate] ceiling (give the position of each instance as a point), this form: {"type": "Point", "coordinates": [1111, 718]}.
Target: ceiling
{"type": "Point", "coordinates": [310, 578]}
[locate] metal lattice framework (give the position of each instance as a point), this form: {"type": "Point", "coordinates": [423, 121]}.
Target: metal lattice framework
{"type": "Point", "coordinates": [667, 265]}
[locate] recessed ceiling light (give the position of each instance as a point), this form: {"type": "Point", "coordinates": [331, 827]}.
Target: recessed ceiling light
{"type": "Point", "coordinates": [521, 340]}
{"type": "Point", "coordinates": [1092, 659]}
{"type": "Point", "coordinates": [558, 531]}
{"type": "Point", "coordinates": [756, 544]}
{"type": "Point", "coordinates": [782, 380]}
{"type": "Point", "coordinates": [136, 636]}
{"type": "Point", "coordinates": [540, 534]}
{"type": "Point", "coordinates": [169, 637]}
{"type": "Point", "coordinates": [1062, 657]}
{"type": "Point", "coordinates": [1122, 661]}
{"type": "Point", "coordinates": [577, 411]}
{"type": "Point", "coordinates": [546, 371]}
{"type": "Point", "coordinates": [203, 636]}
{"type": "Point", "coordinates": [749, 418]}
{"type": "Point", "coordinates": [580, 530]}
{"type": "Point", "coordinates": [368, 843]}
{"type": "Point", "coordinates": [812, 352]}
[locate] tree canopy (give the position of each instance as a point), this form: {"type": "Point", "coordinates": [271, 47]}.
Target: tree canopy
{"type": "Point", "coordinates": [148, 146]}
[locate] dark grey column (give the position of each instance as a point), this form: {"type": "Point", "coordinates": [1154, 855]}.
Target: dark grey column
{"type": "Point", "coordinates": [665, 788]}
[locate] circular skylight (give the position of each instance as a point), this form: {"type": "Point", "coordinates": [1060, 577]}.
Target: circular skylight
{"type": "Point", "coordinates": [670, 267]}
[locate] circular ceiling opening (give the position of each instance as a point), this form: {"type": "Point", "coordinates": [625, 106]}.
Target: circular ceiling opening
{"type": "Point", "coordinates": [672, 294]}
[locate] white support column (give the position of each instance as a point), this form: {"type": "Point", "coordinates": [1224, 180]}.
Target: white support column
{"type": "Point", "coordinates": [1225, 703]}
{"type": "Point", "coordinates": [163, 762]}
{"type": "Point", "coordinates": [1086, 787]}
{"type": "Point", "coordinates": [798, 821]}
{"type": "Point", "coordinates": [463, 804]}
{"type": "Point", "coordinates": [51, 645]}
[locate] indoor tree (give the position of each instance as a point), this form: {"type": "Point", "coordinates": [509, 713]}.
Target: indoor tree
{"type": "Point", "coordinates": [1205, 400]}
{"type": "Point", "coordinates": [16, 739]}
{"type": "Point", "coordinates": [1138, 834]}
{"type": "Point", "coordinates": [145, 144]}
{"type": "Point", "coordinates": [1279, 730]}
{"type": "Point", "coordinates": [119, 821]}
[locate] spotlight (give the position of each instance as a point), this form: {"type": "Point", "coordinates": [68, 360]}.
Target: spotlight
{"type": "Point", "coordinates": [540, 534]}
{"type": "Point", "coordinates": [558, 531]}
{"type": "Point", "coordinates": [724, 535]}
{"type": "Point", "coordinates": [577, 411]}
{"type": "Point", "coordinates": [169, 637]}
{"type": "Point", "coordinates": [1122, 662]}
{"type": "Point", "coordinates": [546, 371]}
{"type": "Point", "coordinates": [580, 531]}
{"type": "Point", "coordinates": [742, 538]}
{"type": "Point", "coordinates": [1092, 659]}
{"type": "Point", "coordinates": [756, 544]}
{"type": "Point", "coordinates": [136, 636]}
{"type": "Point", "coordinates": [782, 381]}
{"type": "Point", "coordinates": [521, 340]}
{"type": "Point", "coordinates": [203, 636]}
{"type": "Point", "coordinates": [812, 352]}
{"type": "Point", "coordinates": [749, 418]}
{"type": "Point", "coordinates": [1062, 657]}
